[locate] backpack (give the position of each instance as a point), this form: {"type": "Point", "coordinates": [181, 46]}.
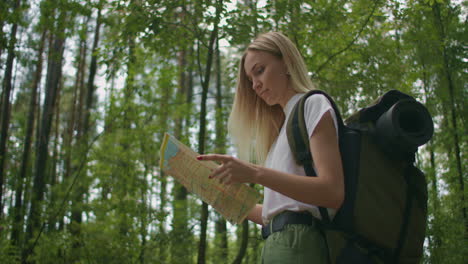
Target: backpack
{"type": "Point", "coordinates": [384, 213]}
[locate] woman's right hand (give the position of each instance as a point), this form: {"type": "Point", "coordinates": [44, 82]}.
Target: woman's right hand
{"type": "Point", "coordinates": [231, 170]}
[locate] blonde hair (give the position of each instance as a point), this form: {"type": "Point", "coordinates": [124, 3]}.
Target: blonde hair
{"type": "Point", "coordinates": [253, 124]}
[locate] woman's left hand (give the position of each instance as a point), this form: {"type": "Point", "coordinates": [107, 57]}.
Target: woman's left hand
{"type": "Point", "coordinates": [231, 170]}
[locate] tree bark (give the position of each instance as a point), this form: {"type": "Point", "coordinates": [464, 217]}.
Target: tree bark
{"type": "Point", "coordinates": [180, 234]}
{"type": "Point", "coordinates": [52, 177]}
{"type": "Point", "coordinates": [163, 123]}
{"type": "Point", "coordinates": [18, 215]}
{"type": "Point", "coordinates": [220, 147]}
{"type": "Point", "coordinates": [244, 242]}
{"type": "Point", "coordinates": [435, 242]}
{"type": "Point", "coordinates": [453, 110]}
{"type": "Point", "coordinates": [5, 113]}
{"type": "Point", "coordinates": [163, 181]}
{"type": "Point", "coordinates": [78, 192]}
{"type": "Point", "coordinates": [91, 77]}
{"type": "Point", "coordinates": [202, 130]}
{"type": "Point", "coordinates": [54, 73]}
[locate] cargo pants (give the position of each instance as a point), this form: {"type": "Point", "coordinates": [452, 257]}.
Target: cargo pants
{"type": "Point", "coordinates": [296, 244]}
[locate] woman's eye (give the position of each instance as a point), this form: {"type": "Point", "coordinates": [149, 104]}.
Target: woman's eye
{"type": "Point", "coordinates": [260, 70]}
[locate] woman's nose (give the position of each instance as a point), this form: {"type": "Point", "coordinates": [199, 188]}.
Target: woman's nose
{"type": "Point", "coordinates": [255, 85]}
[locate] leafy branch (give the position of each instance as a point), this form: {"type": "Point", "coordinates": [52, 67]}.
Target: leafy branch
{"type": "Point", "coordinates": [364, 25]}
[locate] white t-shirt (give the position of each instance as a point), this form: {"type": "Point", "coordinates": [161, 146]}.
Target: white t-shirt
{"type": "Point", "coordinates": [280, 157]}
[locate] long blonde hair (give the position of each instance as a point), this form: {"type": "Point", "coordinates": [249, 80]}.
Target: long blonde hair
{"type": "Point", "coordinates": [253, 124]}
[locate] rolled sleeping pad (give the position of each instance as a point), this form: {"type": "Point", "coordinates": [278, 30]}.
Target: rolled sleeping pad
{"type": "Point", "coordinates": [404, 127]}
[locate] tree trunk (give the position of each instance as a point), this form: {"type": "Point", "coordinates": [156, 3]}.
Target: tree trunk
{"type": "Point", "coordinates": [221, 239]}
{"type": "Point", "coordinates": [91, 77]}
{"type": "Point", "coordinates": [202, 134]}
{"type": "Point", "coordinates": [163, 122]}
{"type": "Point", "coordinates": [5, 113]}
{"type": "Point", "coordinates": [181, 237]}
{"type": "Point", "coordinates": [71, 124]}
{"type": "Point", "coordinates": [162, 196]}
{"type": "Point", "coordinates": [18, 215]}
{"type": "Point", "coordinates": [453, 110]}
{"type": "Point", "coordinates": [144, 212]}
{"type": "Point", "coordinates": [52, 174]}
{"type": "Point", "coordinates": [54, 72]}
{"type": "Point", "coordinates": [220, 147]}
{"type": "Point", "coordinates": [244, 242]}
{"type": "Point", "coordinates": [77, 193]}
{"type": "Point", "coordinates": [435, 242]}
{"type": "Point", "coordinates": [2, 43]}
{"type": "Point", "coordinates": [84, 110]}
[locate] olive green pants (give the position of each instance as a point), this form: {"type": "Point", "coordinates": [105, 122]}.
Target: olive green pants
{"type": "Point", "coordinates": [295, 244]}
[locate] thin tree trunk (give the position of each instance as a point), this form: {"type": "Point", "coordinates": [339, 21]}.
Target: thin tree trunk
{"type": "Point", "coordinates": [244, 243]}
{"type": "Point", "coordinates": [435, 242]}
{"type": "Point", "coordinates": [202, 134]}
{"type": "Point", "coordinates": [256, 244]}
{"type": "Point", "coordinates": [453, 111]}
{"type": "Point", "coordinates": [129, 83]}
{"type": "Point", "coordinates": [5, 113]}
{"type": "Point", "coordinates": [54, 72]}
{"type": "Point", "coordinates": [144, 210]}
{"type": "Point", "coordinates": [163, 236]}
{"type": "Point", "coordinates": [222, 239]}
{"type": "Point", "coordinates": [52, 178]}
{"type": "Point", "coordinates": [81, 87]}
{"type": "Point", "coordinates": [2, 44]}
{"type": "Point", "coordinates": [180, 234]}
{"type": "Point", "coordinates": [220, 145]}
{"type": "Point", "coordinates": [78, 197]}
{"type": "Point", "coordinates": [18, 215]}
{"type": "Point", "coordinates": [91, 77]}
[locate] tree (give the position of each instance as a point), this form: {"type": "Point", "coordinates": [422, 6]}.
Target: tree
{"type": "Point", "coordinates": [447, 75]}
{"type": "Point", "coordinates": [54, 72]}
{"type": "Point", "coordinates": [220, 147]}
{"type": "Point", "coordinates": [180, 231]}
{"type": "Point", "coordinates": [201, 134]}
{"type": "Point", "coordinates": [17, 229]}
{"type": "Point", "coordinates": [7, 88]}
{"type": "Point", "coordinates": [95, 191]}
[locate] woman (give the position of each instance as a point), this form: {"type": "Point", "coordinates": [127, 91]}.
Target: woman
{"type": "Point", "coordinates": [272, 78]}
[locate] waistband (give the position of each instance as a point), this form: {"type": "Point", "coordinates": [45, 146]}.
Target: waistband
{"type": "Point", "coordinates": [278, 222]}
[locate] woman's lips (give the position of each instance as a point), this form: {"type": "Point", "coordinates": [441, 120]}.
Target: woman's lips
{"type": "Point", "coordinates": [262, 93]}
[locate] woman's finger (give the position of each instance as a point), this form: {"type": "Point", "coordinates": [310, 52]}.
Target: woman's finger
{"type": "Point", "coordinates": [225, 177]}
{"type": "Point", "coordinates": [219, 176]}
{"type": "Point", "coordinates": [217, 171]}
{"type": "Point", "coordinates": [214, 157]}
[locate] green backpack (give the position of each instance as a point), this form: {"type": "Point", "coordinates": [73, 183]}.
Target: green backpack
{"type": "Point", "coordinates": [384, 213]}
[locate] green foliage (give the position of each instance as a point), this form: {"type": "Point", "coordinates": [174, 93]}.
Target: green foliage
{"type": "Point", "coordinates": [151, 61]}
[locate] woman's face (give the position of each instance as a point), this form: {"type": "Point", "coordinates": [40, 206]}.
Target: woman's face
{"type": "Point", "coordinates": [268, 75]}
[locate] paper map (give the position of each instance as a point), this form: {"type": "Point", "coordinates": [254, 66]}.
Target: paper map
{"type": "Point", "coordinates": [232, 201]}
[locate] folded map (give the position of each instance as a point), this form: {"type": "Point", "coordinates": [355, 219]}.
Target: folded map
{"type": "Point", "coordinates": [233, 201]}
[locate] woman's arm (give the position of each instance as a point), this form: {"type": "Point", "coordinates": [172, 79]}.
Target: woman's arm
{"type": "Point", "coordinates": [326, 190]}
{"type": "Point", "coordinates": [255, 215]}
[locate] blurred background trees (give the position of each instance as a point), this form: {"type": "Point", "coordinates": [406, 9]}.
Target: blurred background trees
{"type": "Point", "coordinates": [89, 87]}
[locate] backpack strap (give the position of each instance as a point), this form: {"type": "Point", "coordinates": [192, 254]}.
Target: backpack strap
{"type": "Point", "coordinates": [410, 196]}
{"type": "Point", "coordinates": [298, 138]}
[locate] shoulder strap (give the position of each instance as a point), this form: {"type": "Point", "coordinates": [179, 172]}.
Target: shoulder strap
{"type": "Point", "coordinates": [296, 129]}
{"type": "Point", "coordinates": [298, 138]}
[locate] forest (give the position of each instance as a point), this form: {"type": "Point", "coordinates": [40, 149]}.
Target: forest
{"type": "Point", "coordinates": [90, 87]}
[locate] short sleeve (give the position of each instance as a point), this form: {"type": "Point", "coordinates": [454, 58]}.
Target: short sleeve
{"type": "Point", "coordinates": [314, 108]}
